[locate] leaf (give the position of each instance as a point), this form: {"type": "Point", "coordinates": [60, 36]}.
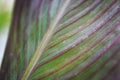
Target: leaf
{"type": "Point", "coordinates": [63, 40]}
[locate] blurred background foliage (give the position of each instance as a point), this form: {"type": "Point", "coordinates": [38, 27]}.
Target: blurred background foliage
{"type": "Point", "coordinates": [5, 12]}
{"type": "Point", "coordinates": [6, 7]}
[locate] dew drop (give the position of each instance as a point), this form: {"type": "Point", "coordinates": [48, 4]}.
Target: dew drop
{"type": "Point", "coordinates": [79, 27]}
{"type": "Point", "coordinates": [64, 41]}
{"type": "Point", "coordinates": [73, 45]}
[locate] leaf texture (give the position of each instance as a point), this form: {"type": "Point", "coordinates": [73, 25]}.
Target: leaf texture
{"type": "Point", "coordinates": [63, 40]}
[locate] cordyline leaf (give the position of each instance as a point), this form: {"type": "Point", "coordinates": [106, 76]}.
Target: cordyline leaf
{"type": "Point", "coordinates": [63, 40]}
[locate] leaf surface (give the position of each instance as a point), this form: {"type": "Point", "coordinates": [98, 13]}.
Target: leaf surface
{"type": "Point", "coordinates": [63, 40]}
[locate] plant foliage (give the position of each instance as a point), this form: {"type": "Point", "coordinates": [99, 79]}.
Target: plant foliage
{"type": "Point", "coordinates": [63, 40]}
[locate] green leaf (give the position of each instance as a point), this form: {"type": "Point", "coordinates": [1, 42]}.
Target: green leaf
{"type": "Point", "coordinates": [63, 40]}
